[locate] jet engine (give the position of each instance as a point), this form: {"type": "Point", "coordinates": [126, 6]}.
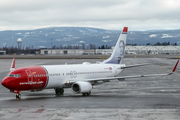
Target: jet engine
{"type": "Point", "coordinates": [81, 87]}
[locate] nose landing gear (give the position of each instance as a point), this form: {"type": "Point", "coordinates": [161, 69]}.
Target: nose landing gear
{"type": "Point", "coordinates": [18, 96]}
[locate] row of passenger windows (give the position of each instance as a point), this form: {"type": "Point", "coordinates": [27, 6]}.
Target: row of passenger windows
{"type": "Point", "coordinates": [58, 74]}
{"type": "Point", "coordinates": [72, 73]}
{"type": "Point", "coordinates": [79, 73]}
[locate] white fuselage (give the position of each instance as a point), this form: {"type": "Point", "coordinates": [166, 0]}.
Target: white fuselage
{"type": "Point", "coordinates": [59, 74]}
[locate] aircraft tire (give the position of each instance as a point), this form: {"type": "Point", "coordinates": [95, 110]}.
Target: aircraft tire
{"type": "Point", "coordinates": [59, 91]}
{"type": "Point", "coordinates": [18, 96]}
{"type": "Point", "coordinates": [86, 94]}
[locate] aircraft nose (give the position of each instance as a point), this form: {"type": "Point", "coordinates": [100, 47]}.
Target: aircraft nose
{"type": "Point", "coordinates": [4, 82]}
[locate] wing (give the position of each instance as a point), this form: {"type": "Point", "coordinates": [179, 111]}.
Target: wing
{"type": "Point", "coordinates": [93, 81]}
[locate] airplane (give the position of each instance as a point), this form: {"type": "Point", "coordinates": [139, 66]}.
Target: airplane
{"type": "Point", "coordinates": [79, 77]}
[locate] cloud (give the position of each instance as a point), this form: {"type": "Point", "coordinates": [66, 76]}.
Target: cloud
{"type": "Point", "coordinates": [106, 14]}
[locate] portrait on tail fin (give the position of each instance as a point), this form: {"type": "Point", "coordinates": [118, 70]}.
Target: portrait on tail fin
{"type": "Point", "coordinates": [118, 52]}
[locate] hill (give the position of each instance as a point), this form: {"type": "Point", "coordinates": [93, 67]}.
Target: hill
{"type": "Point", "coordinates": [61, 36]}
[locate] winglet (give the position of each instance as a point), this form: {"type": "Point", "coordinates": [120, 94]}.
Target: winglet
{"type": "Point", "coordinates": [175, 66]}
{"type": "Point", "coordinates": [12, 65]}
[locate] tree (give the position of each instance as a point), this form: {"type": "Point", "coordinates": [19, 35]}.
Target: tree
{"type": "Point", "coordinates": [148, 44]}
{"type": "Point", "coordinates": [102, 47]}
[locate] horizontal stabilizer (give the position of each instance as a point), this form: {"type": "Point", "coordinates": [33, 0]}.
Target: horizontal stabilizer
{"type": "Point", "coordinates": [136, 65]}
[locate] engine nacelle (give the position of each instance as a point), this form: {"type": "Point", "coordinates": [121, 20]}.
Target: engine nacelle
{"type": "Point", "coordinates": [81, 87]}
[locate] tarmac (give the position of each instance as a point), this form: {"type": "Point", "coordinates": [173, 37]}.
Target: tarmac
{"type": "Point", "coordinates": [153, 98]}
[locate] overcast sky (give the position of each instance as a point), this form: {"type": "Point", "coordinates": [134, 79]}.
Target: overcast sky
{"type": "Point", "coordinates": [106, 14]}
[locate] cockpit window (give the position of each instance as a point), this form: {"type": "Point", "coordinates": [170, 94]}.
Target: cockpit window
{"type": "Point", "coordinates": [13, 75]}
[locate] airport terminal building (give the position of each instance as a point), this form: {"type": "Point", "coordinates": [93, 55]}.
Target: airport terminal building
{"type": "Point", "coordinates": [128, 50]}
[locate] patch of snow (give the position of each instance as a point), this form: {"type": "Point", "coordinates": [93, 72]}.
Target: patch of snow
{"type": "Point", "coordinates": [81, 41]}
{"type": "Point", "coordinates": [18, 33]}
{"type": "Point", "coordinates": [43, 41]}
{"type": "Point", "coordinates": [75, 44]}
{"type": "Point", "coordinates": [56, 30]}
{"type": "Point", "coordinates": [65, 45]}
{"type": "Point", "coordinates": [75, 37]}
{"type": "Point", "coordinates": [91, 30]}
{"type": "Point", "coordinates": [108, 32]}
{"type": "Point", "coordinates": [166, 36]}
{"type": "Point", "coordinates": [58, 40]}
{"type": "Point", "coordinates": [81, 31]}
{"type": "Point", "coordinates": [105, 37]}
{"type": "Point", "coordinates": [153, 35]}
{"type": "Point", "coordinates": [27, 33]}
{"type": "Point", "coordinates": [144, 33]}
{"type": "Point", "coordinates": [41, 46]}
{"type": "Point", "coordinates": [106, 40]}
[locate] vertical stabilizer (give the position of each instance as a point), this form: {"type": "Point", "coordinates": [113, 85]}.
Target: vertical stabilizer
{"type": "Point", "coordinates": [118, 52]}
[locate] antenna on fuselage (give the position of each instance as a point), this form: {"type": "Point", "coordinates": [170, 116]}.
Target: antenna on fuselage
{"type": "Point", "coordinates": [12, 65]}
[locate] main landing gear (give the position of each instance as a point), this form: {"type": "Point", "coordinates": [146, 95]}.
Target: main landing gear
{"type": "Point", "coordinates": [59, 91]}
{"type": "Point", "coordinates": [86, 94]}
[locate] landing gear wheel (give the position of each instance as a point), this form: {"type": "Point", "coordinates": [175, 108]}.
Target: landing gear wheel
{"type": "Point", "coordinates": [86, 94]}
{"type": "Point", "coordinates": [59, 91]}
{"type": "Point", "coordinates": [18, 96]}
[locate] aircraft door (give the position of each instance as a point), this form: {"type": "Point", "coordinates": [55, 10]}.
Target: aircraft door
{"type": "Point", "coordinates": [114, 70]}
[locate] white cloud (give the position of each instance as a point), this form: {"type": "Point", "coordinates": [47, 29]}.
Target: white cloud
{"type": "Point", "coordinates": [106, 14]}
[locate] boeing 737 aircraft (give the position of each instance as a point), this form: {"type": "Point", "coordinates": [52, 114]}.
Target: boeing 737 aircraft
{"type": "Point", "coordinates": [79, 77]}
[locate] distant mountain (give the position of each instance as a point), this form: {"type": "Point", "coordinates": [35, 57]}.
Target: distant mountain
{"type": "Point", "coordinates": [77, 35]}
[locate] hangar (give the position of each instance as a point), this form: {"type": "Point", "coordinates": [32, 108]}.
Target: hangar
{"type": "Point", "coordinates": [62, 51]}
{"type": "Point", "coordinates": [128, 50]}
